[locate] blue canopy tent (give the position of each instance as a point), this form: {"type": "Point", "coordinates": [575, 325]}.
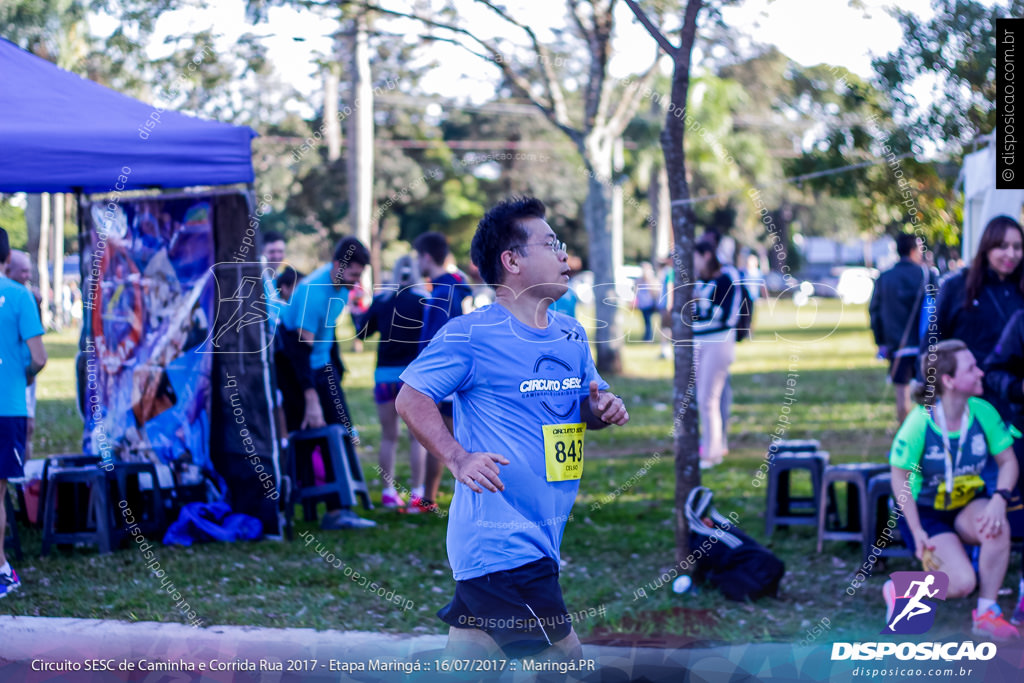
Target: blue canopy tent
{"type": "Point", "coordinates": [155, 267]}
{"type": "Point", "coordinates": [60, 132]}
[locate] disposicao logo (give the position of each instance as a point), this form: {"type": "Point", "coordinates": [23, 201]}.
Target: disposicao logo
{"type": "Point", "coordinates": [913, 613]}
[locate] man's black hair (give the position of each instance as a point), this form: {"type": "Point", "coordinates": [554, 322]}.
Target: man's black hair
{"type": "Point", "coordinates": [434, 244]}
{"type": "Point", "coordinates": [351, 250]}
{"type": "Point", "coordinates": [272, 236]}
{"type": "Point", "coordinates": [500, 230]}
{"type": "Point", "coordinates": [905, 243]}
{"type": "Point", "coordinates": [5, 247]}
{"type": "Point", "coordinates": [288, 276]}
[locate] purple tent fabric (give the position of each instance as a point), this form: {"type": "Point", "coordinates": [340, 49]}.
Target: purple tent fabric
{"type": "Point", "coordinates": [60, 133]}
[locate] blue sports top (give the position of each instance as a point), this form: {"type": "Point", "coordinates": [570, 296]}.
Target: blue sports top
{"type": "Point", "coordinates": [315, 307]}
{"type": "Point", "coordinates": [19, 322]}
{"type": "Point", "coordinates": [509, 381]}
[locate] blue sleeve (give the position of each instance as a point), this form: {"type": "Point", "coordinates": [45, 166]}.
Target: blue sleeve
{"type": "Point", "coordinates": [443, 367]}
{"type": "Point", "coordinates": [589, 369]}
{"type": "Point", "coordinates": [29, 324]}
{"type": "Point", "coordinates": [305, 313]}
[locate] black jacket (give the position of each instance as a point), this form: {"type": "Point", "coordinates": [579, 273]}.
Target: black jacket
{"type": "Point", "coordinates": [399, 319]}
{"type": "Point", "coordinates": [892, 308]}
{"type": "Point", "coordinates": [1004, 371]}
{"type": "Point", "coordinates": [980, 323]}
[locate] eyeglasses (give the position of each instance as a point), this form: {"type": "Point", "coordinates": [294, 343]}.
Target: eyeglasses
{"type": "Point", "coordinates": [555, 245]}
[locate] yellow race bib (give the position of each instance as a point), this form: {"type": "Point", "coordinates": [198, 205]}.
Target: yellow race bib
{"type": "Point", "coordinates": [563, 451]}
{"type": "Point", "coordinates": [965, 487]}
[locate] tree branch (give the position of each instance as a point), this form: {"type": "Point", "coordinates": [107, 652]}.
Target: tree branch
{"type": "Point", "coordinates": [631, 98]}
{"type": "Point", "coordinates": [651, 28]}
{"type": "Point", "coordinates": [554, 89]}
{"type": "Point", "coordinates": [550, 109]}
{"type": "Point", "coordinates": [574, 7]}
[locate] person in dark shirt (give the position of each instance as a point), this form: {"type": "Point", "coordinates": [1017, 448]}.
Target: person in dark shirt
{"type": "Point", "coordinates": [976, 304]}
{"type": "Point", "coordinates": [448, 291]}
{"type": "Point", "coordinates": [397, 314]}
{"type": "Point", "coordinates": [895, 311]}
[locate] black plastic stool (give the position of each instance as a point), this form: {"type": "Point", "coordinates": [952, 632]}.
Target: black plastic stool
{"type": "Point", "coordinates": [343, 475]}
{"type": "Point", "coordinates": [879, 515]}
{"type": "Point", "coordinates": [782, 509]}
{"type": "Point", "coordinates": [147, 506]}
{"type": "Point", "coordinates": [94, 527]}
{"type": "Point", "coordinates": [857, 476]}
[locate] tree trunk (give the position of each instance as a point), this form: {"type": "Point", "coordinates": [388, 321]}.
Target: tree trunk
{"type": "Point", "coordinates": [597, 155]}
{"type": "Point", "coordinates": [360, 140]}
{"type": "Point", "coordinates": [661, 214]}
{"type": "Point", "coordinates": [617, 210]}
{"type": "Point", "coordinates": [33, 223]}
{"type": "Point", "coordinates": [685, 425]}
{"type": "Point", "coordinates": [42, 259]}
{"type": "Point", "coordinates": [57, 251]}
{"type": "Point", "coordinates": [332, 125]}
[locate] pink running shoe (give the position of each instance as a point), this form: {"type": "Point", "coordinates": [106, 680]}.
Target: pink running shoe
{"type": "Point", "coordinates": [392, 500]}
{"type": "Point", "coordinates": [992, 624]}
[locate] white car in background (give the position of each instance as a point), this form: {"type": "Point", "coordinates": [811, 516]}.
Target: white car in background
{"type": "Point", "coordinates": [856, 285]}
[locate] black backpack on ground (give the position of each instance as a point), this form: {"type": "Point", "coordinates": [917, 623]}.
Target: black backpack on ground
{"type": "Point", "coordinates": [734, 563]}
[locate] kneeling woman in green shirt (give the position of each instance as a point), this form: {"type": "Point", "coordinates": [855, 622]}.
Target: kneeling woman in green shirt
{"type": "Point", "coordinates": [939, 454]}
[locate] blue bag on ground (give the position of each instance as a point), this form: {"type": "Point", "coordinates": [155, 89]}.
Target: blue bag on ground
{"type": "Point", "coordinates": [205, 522]}
{"type": "Point", "coordinates": [734, 563]}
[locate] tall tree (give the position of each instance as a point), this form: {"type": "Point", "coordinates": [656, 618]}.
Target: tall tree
{"type": "Point", "coordinates": [593, 117]}
{"type": "Point", "coordinates": [685, 432]}
{"type": "Point", "coordinates": [956, 50]}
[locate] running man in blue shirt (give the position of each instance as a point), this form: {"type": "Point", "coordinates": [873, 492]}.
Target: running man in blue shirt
{"type": "Point", "coordinates": [525, 392]}
{"type": "Point", "coordinates": [20, 328]}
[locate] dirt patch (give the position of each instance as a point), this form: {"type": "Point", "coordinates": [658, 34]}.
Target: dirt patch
{"type": "Point", "coordinates": [652, 629]}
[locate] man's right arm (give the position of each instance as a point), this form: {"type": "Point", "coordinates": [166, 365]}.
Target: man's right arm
{"type": "Point", "coordinates": [424, 420]}
{"type": "Point", "coordinates": [38, 353]}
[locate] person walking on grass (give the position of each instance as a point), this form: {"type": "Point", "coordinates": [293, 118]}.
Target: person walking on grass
{"type": "Point", "coordinates": [941, 450]}
{"type": "Point", "coordinates": [20, 330]}
{"type": "Point", "coordinates": [525, 392]}
{"type": "Point", "coordinates": [895, 311]}
{"type": "Point", "coordinates": [397, 314]}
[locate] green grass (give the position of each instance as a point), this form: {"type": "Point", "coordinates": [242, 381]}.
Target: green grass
{"type": "Point", "coordinates": [612, 548]}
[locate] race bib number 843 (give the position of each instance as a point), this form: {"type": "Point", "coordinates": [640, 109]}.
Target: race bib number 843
{"type": "Point", "coordinates": [563, 451]}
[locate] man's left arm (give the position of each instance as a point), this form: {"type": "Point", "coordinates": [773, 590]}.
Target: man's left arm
{"type": "Point", "coordinates": [603, 408]}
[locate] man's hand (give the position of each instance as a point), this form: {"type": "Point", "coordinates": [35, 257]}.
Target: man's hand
{"type": "Point", "coordinates": [480, 468]}
{"type": "Point", "coordinates": [314, 416]}
{"type": "Point", "coordinates": [607, 406]}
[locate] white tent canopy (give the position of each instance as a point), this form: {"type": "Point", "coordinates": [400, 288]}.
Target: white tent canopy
{"type": "Point", "coordinates": [982, 201]}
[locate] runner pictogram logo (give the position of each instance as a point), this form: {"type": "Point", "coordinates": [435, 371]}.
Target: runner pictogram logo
{"type": "Point", "coordinates": [912, 611]}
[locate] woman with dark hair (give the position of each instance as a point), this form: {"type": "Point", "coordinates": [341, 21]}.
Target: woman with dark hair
{"type": "Point", "coordinates": [716, 310]}
{"type": "Point", "coordinates": [975, 304]}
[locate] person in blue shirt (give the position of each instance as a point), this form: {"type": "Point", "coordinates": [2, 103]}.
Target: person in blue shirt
{"type": "Point", "coordinates": [310, 321]}
{"type": "Point", "coordinates": [525, 392]}
{"type": "Point", "coordinates": [20, 328]}
{"type": "Point", "coordinates": [447, 292]}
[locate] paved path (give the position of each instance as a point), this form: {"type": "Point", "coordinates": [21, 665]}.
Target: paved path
{"type": "Point", "coordinates": [58, 650]}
